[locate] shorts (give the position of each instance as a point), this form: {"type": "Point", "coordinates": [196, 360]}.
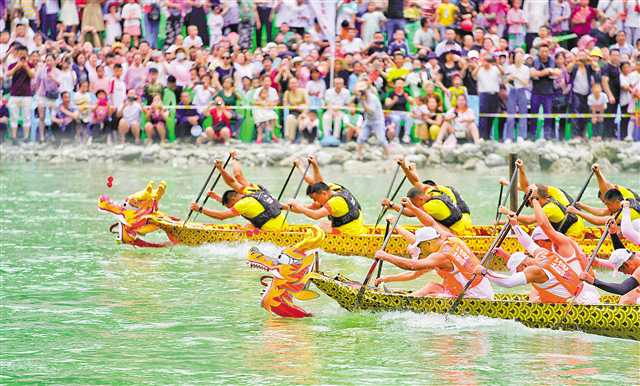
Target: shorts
{"type": "Point", "coordinates": [47, 103]}
{"type": "Point", "coordinates": [373, 127]}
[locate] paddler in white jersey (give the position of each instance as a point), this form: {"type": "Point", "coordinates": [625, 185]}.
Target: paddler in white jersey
{"type": "Point", "coordinates": [554, 271]}
{"type": "Point", "coordinates": [449, 256]}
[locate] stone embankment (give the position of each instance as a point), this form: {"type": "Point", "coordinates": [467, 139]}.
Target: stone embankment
{"type": "Point", "coordinates": [541, 155]}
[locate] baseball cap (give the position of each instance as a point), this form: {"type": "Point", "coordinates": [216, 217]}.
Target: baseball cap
{"type": "Point", "coordinates": [538, 234]}
{"type": "Point", "coordinates": [473, 54]}
{"type": "Point", "coordinates": [619, 257]}
{"type": "Point", "coordinates": [515, 260]}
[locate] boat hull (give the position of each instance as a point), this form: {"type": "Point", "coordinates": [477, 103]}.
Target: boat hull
{"type": "Point", "coordinates": [365, 245]}
{"type": "Point", "coordinates": [608, 319]}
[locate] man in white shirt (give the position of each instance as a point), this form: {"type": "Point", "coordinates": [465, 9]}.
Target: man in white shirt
{"type": "Point", "coordinates": [300, 17]}
{"type": "Point", "coordinates": [352, 44]}
{"type": "Point", "coordinates": [336, 99]}
{"type": "Point", "coordinates": [489, 77]}
{"type": "Point", "coordinates": [426, 36]}
{"type": "Point", "coordinates": [518, 79]}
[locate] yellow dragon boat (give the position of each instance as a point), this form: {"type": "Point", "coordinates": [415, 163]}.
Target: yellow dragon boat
{"type": "Point", "coordinates": [365, 245]}
{"type": "Point", "coordinates": [608, 318]}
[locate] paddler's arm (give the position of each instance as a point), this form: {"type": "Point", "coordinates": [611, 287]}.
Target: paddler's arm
{"type": "Point", "coordinates": [425, 219]}
{"type": "Point", "coordinates": [628, 231]}
{"type": "Point", "coordinates": [228, 178]}
{"type": "Point", "coordinates": [523, 181]}
{"type": "Point", "coordinates": [407, 211]}
{"type": "Point", "coordinates": [430, 262]}
{"type": "Point", "coordinates": [411, 174]}
{"type": "Point", "coordinates": [406, 276]}
{"type": "Point", "coordinates": [593, 219]}
{"type": "Point", "coordinates": [603, 184]}
{"type": "Point", "coordinates": [315, 214]}
{"type": "Point", "coordinates": [237, 171]}
{"type": "Point", "coordinates": [592, 209]}
{"type": "Point", "coordinates": [562, 242]}
{"type": "Point", "coordinates": [530, 274]}
{"type": "Point", "coordinates": [408, 236]}
{"type": "Point", "coordinates": [217, 214]}
{"type": "Point", "coordinates": [526, 219]}
{"type": "Point", "coordinates": [523, 237]}
{"type": "Point", "coordinates": [315, 169]}
{"type": "Point", "coordinates": [615, 288]}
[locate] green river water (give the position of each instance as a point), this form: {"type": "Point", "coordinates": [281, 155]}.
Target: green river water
{"type": "Point", "coordinates": [77, 308]}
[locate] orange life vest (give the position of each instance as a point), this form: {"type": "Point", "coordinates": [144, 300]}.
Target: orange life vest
{"type": "Point", "coordinates": [562, 272]}
{"type": "Point", "coordinates": [464, 262]}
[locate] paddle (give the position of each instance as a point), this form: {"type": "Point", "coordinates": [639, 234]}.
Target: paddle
{"type": "Point", "coordinates": [286, 182]}
{"type": "Point", "coordinates": [584, 187]}
{"type": "Point", "coordinates": [501, 201]}
{"type": "Point", "coordinates": [386, 232]}
{"type": "Point", "coordinates": [203, 188]}
{"type": "Point", "coordinates": [487, 256]}
{"type": "Point", "coordinates": [295, 195]}
{"type": "Point", "coordinates": [387, 237]}
{"type": "Point", "coordinates": [395, 193]}
{"type": "Point", "coordinates": [213, 186]}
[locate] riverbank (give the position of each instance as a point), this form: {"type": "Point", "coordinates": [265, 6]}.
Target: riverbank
{"type": "Point", "coordinates": [542, 155]}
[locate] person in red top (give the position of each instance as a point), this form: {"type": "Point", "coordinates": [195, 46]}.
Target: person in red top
{"type": "Point", "coordinates": [581, 17]}
{"type": "Point", "coordinates": [220, 130]}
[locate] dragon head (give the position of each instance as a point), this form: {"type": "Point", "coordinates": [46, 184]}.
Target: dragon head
{"type": "Point", "coordinates": [290, 272]}
{"type": "Point", "coordinates": [133, 213]}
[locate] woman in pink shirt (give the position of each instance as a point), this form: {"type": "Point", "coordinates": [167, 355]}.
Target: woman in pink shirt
{"type": "Point", "coordinates": [581, 17]}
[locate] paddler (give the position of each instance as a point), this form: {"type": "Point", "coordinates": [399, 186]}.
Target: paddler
{"type": "Point", "coordinates": [430, 186]}
{"type": "Point", "coordinates": [555, 267]}
{"type": "Point", "coordinates": [316, 176]}
{"type": "Point", "coordinates": [610, 194]}
{"type": "Point", "coordinates": [439, 206]}
{"type": "Point", "coordinates": [251, 201]}
{"type": "Point", "coordinates": [340, 207]}
{"type": "Point", "coordinates": [628, 263]}
{"type": "Point", "coordinates": [555, 202]}
{"type": "Point", "coordinates": [450, 257]}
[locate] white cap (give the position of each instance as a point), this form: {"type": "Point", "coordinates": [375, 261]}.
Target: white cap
{"type": "Point", "coordinates": [361, 86]}
{"type": "Point", "coordinates": [619, 257]}
{"type": "Point", "coordinates": [515, 260]}
{"type": "Point", "coordinates": [425, 234]}
{"type": "Point", "coordinates": [538, 234]}
{"type": "Point", "coordinates": [270, 45]}
{"type": "Point", "coordinates": [473, 54]}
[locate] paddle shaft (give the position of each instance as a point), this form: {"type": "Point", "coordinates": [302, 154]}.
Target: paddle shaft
{"type": "Point", "coordinates": [386, 232]}
{"type": "Point", "coordinates": [605, 233]}
{"type": "Point", "coordinates": [584, 187]}
{"type": "Point", "coordinates": [297, 190]}
{"type": "Point", "coordinates": [395, 193]}
{"type": "Point", "coordinates": [501, 201]}
{"type": "Point", "coordinates": [286, 182]}
{"type": "Point", "coordinates": [488, 255]}
{"type": "Point", "coordinates": [387, 237]}
{"type": "Point", "coordinates": [213, 186]}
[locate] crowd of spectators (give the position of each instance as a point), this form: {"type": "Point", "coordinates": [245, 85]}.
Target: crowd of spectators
{"type": "Point", "coordinates": [442, 71]}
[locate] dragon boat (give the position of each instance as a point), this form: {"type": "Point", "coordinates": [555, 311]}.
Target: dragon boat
{"type": "Point", "coordinates": [608, 319]}
{"type": "Point", "coordinates": [365, 245]}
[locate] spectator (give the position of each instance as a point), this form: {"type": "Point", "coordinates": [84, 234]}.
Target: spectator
{"type": "Point", "coordinates": [559, 16]}
{"type": "Point", "coordinates": [597, 102]}
{"type": "Point", "coordinates": [156, 118]}
{"type": "Point", "coordinates": [581, 18]}
{"type": "Point", "coordinates": [426, 37]}
{"type": "Point", "coordinates": [65, 118]}
{"type": "Point", "coordinates": [263, 9]}
{"type": "Point", "coordinates": [309, 126]}
{"type": "Point", "coordinates": [459, 123]}
{"type": "Point", "coordinates": [395, 16]}
{"type": "Point", "coordinates": [627, 76]}
{"type": "Point", "coordinates": [187, 117]}
{"type": "Point", "coordinates": [372, 22]}
{"type": "Point", "coordinates": [297, 100]}
{"type": "Point", "coordinates": [583, 75]}
{"type": "Point", "coordinates": [518, 78]}
{"type": "Point", "coordinates": [611, 86]}
{"type": "Point", "coordinates": [516, 22]}
{"type": "Point", "coordinates": [220, 130]}
{"type": "Point", "coordinates": [93, 20]}
{"type": "Point", "coordinates": [446, 14]}
{"type": "Point", "coordinates": [315, 89]}
{"type": "Point", "coordinates": [129, 115]}
{"type": "Point", "coordinates": [488, 75]}
{"type": "Point", "coordinates": [398, 101]}
{"type": "Point", "coordinates": [336, 99]}
{"type": "Point", "coordinates": [82, 101]}
{"type": "Point", "coordinates": [152, 13]}
{"type": "Point", "coordinates": [101, 114]}
{"type": "Point", "coordinates": [562, 90]}
{"type": "Point", "coordinates": [352, 122]}
{"type": "Point", "coordinates": [399, 43]}
{"type": "Point", "coordinates": [131, 16]}
{"type": "Point", "coordinates": [264, 116]}
{"type": "Point", "coordinates": [542, 90]}
{"type": "Point", "coordinates": [632, 20]}
{"type": "Point", "coordinates": [621, 44]}
{"type": "Point", "coordinates": [69, 15]}
{"type": "Point", "coordinates": [374, 118]}
{"type": "Point", "coordinates": [537, 14]}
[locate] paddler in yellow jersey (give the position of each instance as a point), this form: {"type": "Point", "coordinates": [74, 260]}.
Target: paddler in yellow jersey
{"type": "Point", "coordinates": [431, 187]}
{"type": "Point", "coordinates": [439, 207]}
{"type": "Point", "coordinates": [251, 201]}
{"type": "Point", "coordinates": [611, 195]}
{"type": "Point", "coordinates": [341, 208]}
{"type": "Point", "coordinates": [450, 257]}
{"type": "Point", "coordinates": [555, 202]}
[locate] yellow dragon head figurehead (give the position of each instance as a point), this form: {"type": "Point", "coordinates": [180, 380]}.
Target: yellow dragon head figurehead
{"type": "Point", "coordinates": [290, 274]}
{"type": "Point", "coordinates": [133, 213]}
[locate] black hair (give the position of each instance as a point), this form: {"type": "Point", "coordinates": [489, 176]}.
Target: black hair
{"type": "Point", "coordinates": [424, 21]}
{"type": "Point", "coordinates": [613, 195]}
{"type": "Point", "coordinates": [414, 192]}
{"type": "Point", "coordinates": [318, 187]}
{"type": "Point", "coordinates": [171, 79]}
{"type": "Point", "coordinates": [118, 65]}
{"type": "Point", "coordinates": [153, 70]}
{"type": "Point", "coordinates": [429, 182]}
{"type": "Point", "coordinates": [228, 196]}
